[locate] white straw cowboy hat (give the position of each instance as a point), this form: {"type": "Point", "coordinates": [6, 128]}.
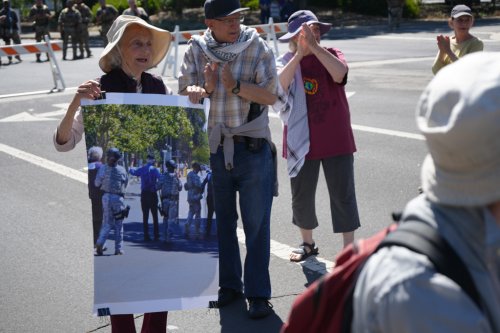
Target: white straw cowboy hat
{"type": "Point", "coordinates": [459, 115]}
{"type": "Point", "coordinates": [160, 43]}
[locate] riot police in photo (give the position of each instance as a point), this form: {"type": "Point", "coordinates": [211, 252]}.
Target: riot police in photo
{"type": "Point", "coordinates": [194, 196]}
{"type": "Point", "coordinates": [169, 186]}
{"type": "Point", "coordinates": [112, 179]}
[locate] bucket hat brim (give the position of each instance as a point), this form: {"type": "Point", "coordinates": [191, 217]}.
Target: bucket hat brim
{"type": "Point", "coordinates": [323, 29]}
{"type": "Point", "coordinates": [160, 40]}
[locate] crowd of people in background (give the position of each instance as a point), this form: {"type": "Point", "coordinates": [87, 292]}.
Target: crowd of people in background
{"type": "Point", "coordinates": [72, 23]}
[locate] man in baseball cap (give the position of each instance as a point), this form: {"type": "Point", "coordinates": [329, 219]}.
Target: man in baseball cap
{"type": "Point", "coordinates": [222, 8]}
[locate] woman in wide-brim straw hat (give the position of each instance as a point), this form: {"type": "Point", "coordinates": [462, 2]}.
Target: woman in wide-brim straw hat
{"type": "Point", "coordinates": [134, 47]}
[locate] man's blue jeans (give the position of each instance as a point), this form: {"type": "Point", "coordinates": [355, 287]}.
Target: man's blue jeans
{"type": "Point", "coordinates": [253, 177]}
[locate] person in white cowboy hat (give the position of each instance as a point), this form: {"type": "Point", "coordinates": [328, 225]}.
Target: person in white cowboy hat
{"type": "Point", "coordinates": [399, 290]}
{"type": "Point", "coordinates": [317, 131]}
{"type": "Point", "coordinates": [134, 47]}
{"type": "Point", "coordinates": [450, 49]}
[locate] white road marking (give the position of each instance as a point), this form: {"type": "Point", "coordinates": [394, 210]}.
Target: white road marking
{"type": "Point", "coordinates": [388, 62]}
{"type": "Point", "coordinates": [30, 116]}
{"type": "Point", "coordinates": [44, 163]}
{"type": "Point", "coordinates": [400, 134]}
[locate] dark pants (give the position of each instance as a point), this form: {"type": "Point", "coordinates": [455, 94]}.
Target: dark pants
{"type": "Point", "coordinates": [96, 216]}
{"type": "Point", "coordinates": [149, 202]}
{"type": "Point", "coordinates": [155, 322]}
{"type": "Point", "coordinates": [14, 36]}
{"type": "Point", "coordinates": [210, 213]}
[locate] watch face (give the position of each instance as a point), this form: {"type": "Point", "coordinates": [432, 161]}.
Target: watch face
{"type": "Point", "coordinates": [236, 90]}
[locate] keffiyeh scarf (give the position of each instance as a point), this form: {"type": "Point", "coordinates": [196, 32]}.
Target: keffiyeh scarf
{"type": "Point", "coordinates": [225, 52]}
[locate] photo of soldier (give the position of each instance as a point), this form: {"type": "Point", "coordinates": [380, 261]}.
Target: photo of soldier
{"type": "Point", "coordinates": [69, 21]}
{"type": "Point", "coordinates": [112, 179]}
{"type": "Point", "coordinates": [95, 193]}
{"type": "Point", "coordinates": [194, 196]}
{"type": "Point", "coordinates": [169, 186]}
{"type": "Point", "coordinates": [83, 27]}
{"type": "Point", "coordinates": [40, 15]}
{"type": "Point", "coordinates": [105, 17]}
{"type": "Point", "coordinates": [149, 198]}
{"type": "Point", "coordinates": [9, 29]}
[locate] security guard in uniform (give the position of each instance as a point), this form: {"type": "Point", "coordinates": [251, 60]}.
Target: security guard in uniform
{"type": "Point", "coordinates": [40, 15]}
{"type": "Point", "coordinates": [69, 21]}
{"type": "Point", "coordinates": [83, 28]}
{"type": "Point", "coordinates": [105, 16]}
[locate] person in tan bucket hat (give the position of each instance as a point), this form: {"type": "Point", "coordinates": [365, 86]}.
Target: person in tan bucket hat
{"type": "Point", "coordinates": [399, 290]}
{"type": "Point", "coordinates": [134, 46]}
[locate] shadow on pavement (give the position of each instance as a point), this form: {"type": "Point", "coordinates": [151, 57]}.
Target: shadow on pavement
{"type": "Point", "coordinates": [234, 318]}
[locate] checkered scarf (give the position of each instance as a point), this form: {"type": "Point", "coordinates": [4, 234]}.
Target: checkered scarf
{"type": "Point", "coordinates": [225, 52]}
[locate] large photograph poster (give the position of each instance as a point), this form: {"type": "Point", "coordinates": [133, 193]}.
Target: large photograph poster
{"type": "Point", "coordinates": [176, 267]}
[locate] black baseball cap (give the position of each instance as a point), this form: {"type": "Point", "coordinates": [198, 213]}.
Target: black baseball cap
{"type": "Point", "coordinates": [222, 8]}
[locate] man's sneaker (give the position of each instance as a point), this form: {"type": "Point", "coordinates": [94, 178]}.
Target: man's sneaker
{"type": "Point", "coordinates": [118, 253]}
{"type": "Point", "coordinates": [227, 296]}
{"type": "Point", "coordinates": [259, 308]}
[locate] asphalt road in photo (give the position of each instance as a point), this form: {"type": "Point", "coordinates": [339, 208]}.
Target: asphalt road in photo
{"type": "Point", "coordinates": [46, 259]}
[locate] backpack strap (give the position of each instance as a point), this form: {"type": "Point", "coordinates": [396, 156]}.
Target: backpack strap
{"type": "Point", "coordinates": [422, 238]}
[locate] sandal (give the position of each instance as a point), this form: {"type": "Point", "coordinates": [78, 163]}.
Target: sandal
{"type": "Point", "coordinates": [304, 254]}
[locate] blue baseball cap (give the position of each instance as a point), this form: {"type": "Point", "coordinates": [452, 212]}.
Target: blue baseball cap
{"type": "Point", "coordinates": [300, 17]}
{"type": "Point", "coordinates": [222, 8]}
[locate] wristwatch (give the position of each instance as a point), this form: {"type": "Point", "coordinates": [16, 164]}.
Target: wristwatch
{"type": "Point", "coordinates": [236, 90]}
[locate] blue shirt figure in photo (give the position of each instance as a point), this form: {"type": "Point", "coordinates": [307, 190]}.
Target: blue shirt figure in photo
{"type": "Point", "coordinates": [149, 199]}
{"type": "Point", "coordinates": [112, 179]}
{"type": "Point", "coordinates": [169, 186]}
{"type": "Point", "coordinates": [194, 195]}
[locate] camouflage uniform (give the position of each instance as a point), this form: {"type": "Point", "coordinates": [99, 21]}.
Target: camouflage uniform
{"type": "Point", "coordinates": [83, 28]}
{"type": "Point", "coordinates": [8, 27]}
{"type": "Point", "coordinates": [106, 16]}
{"type": "Point", "coordinates": [40, 14]}
{"type": "Point", "coordinates": [69, 20]}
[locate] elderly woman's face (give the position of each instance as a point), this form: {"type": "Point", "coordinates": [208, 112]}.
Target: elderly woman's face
{"type": "Point", "coordinates": [136, 48]}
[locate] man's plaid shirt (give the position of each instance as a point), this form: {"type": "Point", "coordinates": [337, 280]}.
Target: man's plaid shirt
{"type": "Point", "coordinates": [256, 64]}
